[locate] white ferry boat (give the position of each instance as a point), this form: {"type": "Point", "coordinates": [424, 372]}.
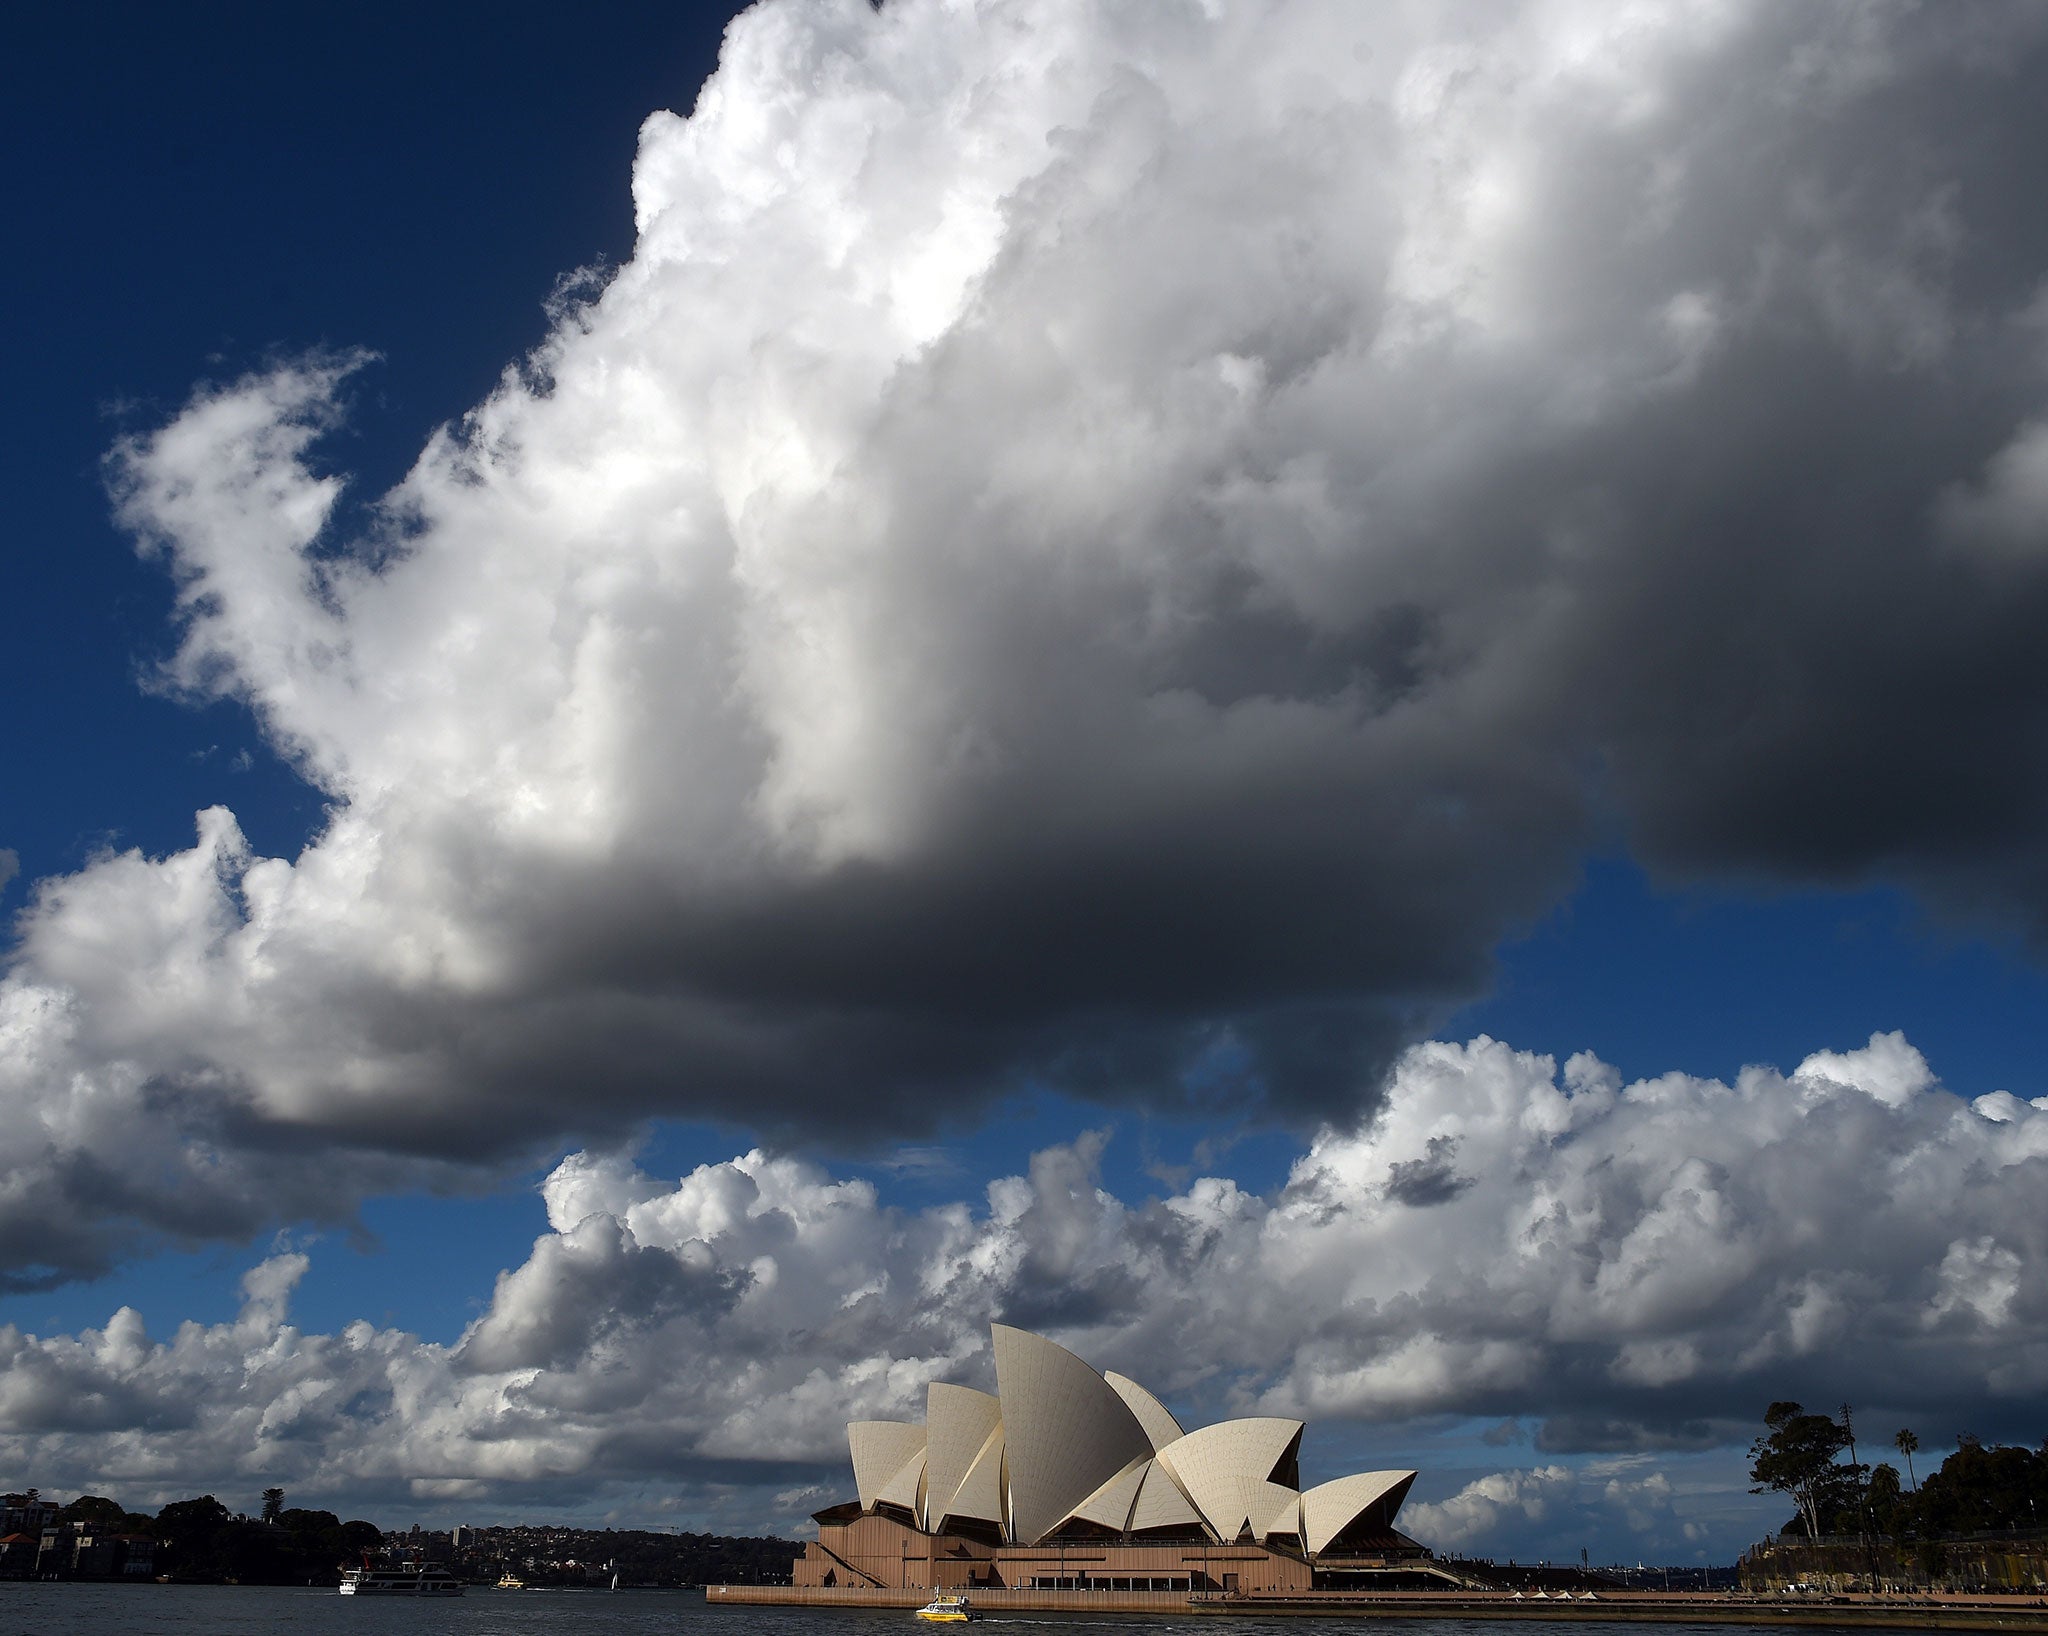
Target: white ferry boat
{"type": "Point", "coordinates": [947, 1610]}
{"type": "Point", "coordinates": [430, 1580]}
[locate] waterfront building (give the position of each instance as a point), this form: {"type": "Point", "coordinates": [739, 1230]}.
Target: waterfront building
{"type": "Point", "coordinates": [1068, 1479]}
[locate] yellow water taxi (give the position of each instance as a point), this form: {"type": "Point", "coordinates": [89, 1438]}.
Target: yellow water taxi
{"type": "Point", "coordinates": [947, 1610]}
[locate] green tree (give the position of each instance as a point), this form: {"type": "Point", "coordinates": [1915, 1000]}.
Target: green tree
{"type": "Point", "coordinates": [317, 1547]}
{"type": "Point", "coordinates": [1979, 1488]}
{"type": "Point", "coordinates": [359, 1536]}
{"type": "Point", "coordinates": [1891, 1508]}
{"type": "Point", "coordinates": [273, 1503]}
{"type": "Point", "coordinates": [195, 1538]}
{"type": "Point", "coordinates": [1797, 1457]}
{"type": "Point", "coordinates": [205, 1512]}
{"type": "Point", "coordinates": [309, 1522]}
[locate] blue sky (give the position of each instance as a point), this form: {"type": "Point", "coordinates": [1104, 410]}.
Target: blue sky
{"type": "Point", "coordinates": [1131, 702]}
{"type": "Point", "coordinates": [205, 196]}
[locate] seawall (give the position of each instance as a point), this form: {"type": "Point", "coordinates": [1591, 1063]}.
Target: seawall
{"type": "Point", "coordinates": [2011, 1613]}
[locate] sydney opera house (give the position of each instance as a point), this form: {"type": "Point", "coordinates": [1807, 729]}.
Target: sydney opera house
{"type": "Point", "coordinates": [1066, 1479]}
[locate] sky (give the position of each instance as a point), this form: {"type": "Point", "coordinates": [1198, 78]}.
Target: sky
{"type": "Point", "coordinates": [1342, 703]}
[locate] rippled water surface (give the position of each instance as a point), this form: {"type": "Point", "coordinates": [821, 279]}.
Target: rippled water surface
{"type": "Point", "coordinates": [232, 1610]}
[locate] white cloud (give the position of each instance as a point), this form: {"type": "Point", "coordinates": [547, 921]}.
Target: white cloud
{"type": "Point", "coordinates": [1887, 1068]}
{"type": "Point", "coordinates": [731, 1321]}
{"type": "Point", "coordinates": [1981, 1277]}
{"type": "Point", "coordinates": [1486, 1505]}
{"type": "Point", "coordinates": [1093, 543]}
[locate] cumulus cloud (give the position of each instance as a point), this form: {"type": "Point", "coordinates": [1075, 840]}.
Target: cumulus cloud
{"type": "Point", "coordinates": [1115, 546]}
{"type": "Point", "coordinates": [1639, 1268]}
{"type": "Point", "coordinates": [1483, 1507]}
{"type": "Point", "coordinates": [1634, 1506]}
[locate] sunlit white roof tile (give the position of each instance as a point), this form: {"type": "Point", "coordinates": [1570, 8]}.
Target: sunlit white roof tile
{"type": "Point", "coordinates": [906, 1488]}
{"type": "Point", "coordinates": [1330, 1508]}
{"type": "Point", "coordinates": [1161, 1504]}
{"type": "Point", "coordinates": [957, 1424]}
{"type": "Point", "coordinates": [1153, 1415]}
{"type": "Point", "coordinates": [1110, 1505]}
{"type": "Point", "coordinates": [1065, 1430]}
{"type": "Point", "coordinates": [879, 1449]}
{"type": "Point", "coordinates": [980, 1496]}
{"type": "Point", "coordinates": [1223, 1468]}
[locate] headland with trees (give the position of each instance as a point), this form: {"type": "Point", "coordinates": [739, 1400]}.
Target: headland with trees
{"type": "Point", "coordinates": [1974, 1523]}
{"type": "Point", "coordinates": [200, 1541]}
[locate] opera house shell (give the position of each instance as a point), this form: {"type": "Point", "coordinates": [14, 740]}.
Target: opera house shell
{"type": "Point", "coordinates": [1067, 1478]}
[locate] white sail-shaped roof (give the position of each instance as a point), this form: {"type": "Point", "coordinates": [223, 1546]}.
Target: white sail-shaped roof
{"type": "Point", "coordinates": [880, 1448]}
{"type": "Point", "coordinates": [906, 1488]}
{"type": "Point", "coordinates": [1065, 1430]}
{"type": "Point", "coordinates": [957, 1423]}
{"type": "Point", "coordinates": [1159, 1425]}
{"type": "Point", "coordinates": [980, 1496]}
{"type": "Point", "coordinates": [1225, 1467]}
{"type": "Point", "coordinates": [1111, 1504]}
{"type": "Point", "coordinates": [1327, 1510]}
{"type": "Point", "coordinates": [1161, 1504]}
{"type": "Point", "coordinates": [1274, 1509]}
{"type": "Point", "coordinates": [1059, 1443]}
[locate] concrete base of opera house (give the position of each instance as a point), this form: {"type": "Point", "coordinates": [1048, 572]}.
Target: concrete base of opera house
{"type": "Point", "coordinates": [874, 1552]}
{"type": "Point", "coordinates": [2011, 1613]}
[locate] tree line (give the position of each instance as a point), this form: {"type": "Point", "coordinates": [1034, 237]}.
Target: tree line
{"type": "Point", "coordinates": [1978, 1489]}
{"type": "Point", "coordinates": [200, 1539]}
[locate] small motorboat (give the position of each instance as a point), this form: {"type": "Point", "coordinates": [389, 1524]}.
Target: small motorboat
{"type": "Point", "coordinates": [947, 1610]}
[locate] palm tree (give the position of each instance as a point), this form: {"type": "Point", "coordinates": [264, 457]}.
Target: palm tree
{"type": "Point", "coordinates": [273, 1503]}
{"type": "Point", "coordinates": [1906, 1443]}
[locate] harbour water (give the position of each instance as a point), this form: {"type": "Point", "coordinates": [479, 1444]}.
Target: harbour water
{"type": "Point", "coordinates": [250, 1610]}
